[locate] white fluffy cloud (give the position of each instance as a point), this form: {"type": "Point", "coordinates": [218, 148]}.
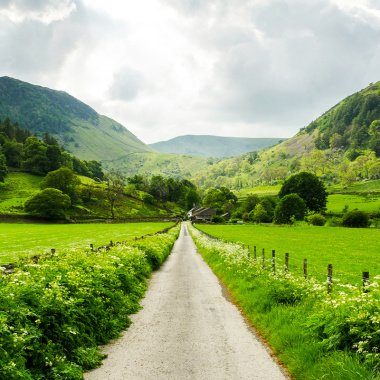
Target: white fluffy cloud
{"type": "Point", "coordinates": [163, 68]}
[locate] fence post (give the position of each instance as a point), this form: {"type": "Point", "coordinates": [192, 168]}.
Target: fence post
{"type": "Point", "coordinates": [254, 255]}
{"type": "Point", "coordinates": [365, 281]}
{"type": "Point", "coordinates": [92, 247]}
{"type": "Point", "coordinates": [329, 278]}
{"type": "Point", "coordinates": [274, 262]}
{"type": "Point", "coordinates": [263, 257]}
{"type": "Point", "coordinates": [52, 251]}
{"type": "Point", "coordinates": [286, 262]}
{"type": "Point", "coordinates": [249, 254]}
{"type": "Point", "coordinates": [111, 243]}
{"type": "Point", "coordinates": [305, 268]}
{"type": "Point", "coordinates": [243, 246]}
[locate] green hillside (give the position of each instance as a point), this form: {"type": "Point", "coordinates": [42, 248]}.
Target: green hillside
{"type": "Point", "coordinates": [342, 147]}
{"type": "Point", "coordinates": [18, 187]}
{"type": "Point", "coordinates": [84, 132]}
{"type": "Point", "coordinates": [213, 146]}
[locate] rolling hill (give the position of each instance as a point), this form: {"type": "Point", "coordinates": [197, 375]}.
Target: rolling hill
{"type": "Point", "coordinates": [342, 146]}
{"type": "Point", "coordinates": [84, 132]}
{"type": "Point", "coordinates": [213, 146]}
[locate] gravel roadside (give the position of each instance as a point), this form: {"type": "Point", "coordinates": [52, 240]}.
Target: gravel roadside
{"type": "Point", "coordinates": [187, 330]}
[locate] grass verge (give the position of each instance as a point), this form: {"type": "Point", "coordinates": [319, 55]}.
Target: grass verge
{"type": "Point", "coordinates": [316, 335]}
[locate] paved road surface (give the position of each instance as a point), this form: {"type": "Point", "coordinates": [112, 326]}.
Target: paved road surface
{"type": "Point", "coordinates": [187, 330]}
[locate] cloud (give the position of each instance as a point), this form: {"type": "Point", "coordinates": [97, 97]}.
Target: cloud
{"type": "Point", "coordinates": [126, 85]}
{"type": "Point", "coordinates": [170, 67]}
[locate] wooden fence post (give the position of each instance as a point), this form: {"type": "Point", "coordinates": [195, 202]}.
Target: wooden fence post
{"type": "Point", "coordinates": [254, 255]}
{"type": "Point", "coordinates": [274, 261]}
{"type": "Point", "coordinates": [286, 262]}
{"type": "Point", "coordinates": [52, 251]}
{"type": "Point", "coordinates": [365, 281]}
{"type": "Point", "coordinates": [305, 268]}
{"type": "Point", "coordinates": [329, 278]}
{"type": "Point", "coordinates": [111, 243]}
{"type": "Point", "coordinates": [249, 254]}
{"type": "Point", "coordinates": [92, 247]}
{"type": "Point", "coordinates": [263, 257]}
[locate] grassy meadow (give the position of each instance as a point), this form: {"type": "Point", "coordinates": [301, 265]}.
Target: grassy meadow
{"type": "Point", "coordinates": [336, 202]}
{"type": "Point", "coordinates": [30, 239]}
{"type": "Point", "coordinates": [350, 250]}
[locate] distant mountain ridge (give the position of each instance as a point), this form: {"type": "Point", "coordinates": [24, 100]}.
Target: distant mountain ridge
{"type": "Point", "coordinates": [84, 132]}
{"type": "Point", "coordinates": [213, 146]}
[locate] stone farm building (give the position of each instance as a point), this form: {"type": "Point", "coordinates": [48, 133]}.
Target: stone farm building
{"type": "Point", "coordinates": [201, 213]}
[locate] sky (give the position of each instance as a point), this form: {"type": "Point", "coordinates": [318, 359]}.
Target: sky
{"type": "Point", "coordinates": [165, 68]}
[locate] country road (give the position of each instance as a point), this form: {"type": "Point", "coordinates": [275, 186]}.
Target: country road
{"type": "Point", "coordinates": [187, 329]}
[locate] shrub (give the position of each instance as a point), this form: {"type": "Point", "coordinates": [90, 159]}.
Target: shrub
{"type": "Point", "coordinates": [290, 205]}
{"type": "Point", "coordinates": [217, 219]}
{"type": "Point", "coordinates": [316, 220]}
{"type": "Point", "coordinates": [335, 222]}
{"type": "Point", "coordinates": [147, 198]}
{"type": "Point", "coordinates": [356, 218]}
{"type": "Point", "coordinates": [50, 203]}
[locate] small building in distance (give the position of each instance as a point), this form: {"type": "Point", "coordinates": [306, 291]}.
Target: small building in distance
{"type": "Point", "coordinates": [201, 213]}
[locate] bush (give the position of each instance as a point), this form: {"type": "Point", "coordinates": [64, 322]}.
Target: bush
{"type": "Point", "coordinates": [217, 219]}
{"type": "Point", "coordinates": [291, 205]}
{"type": "Point", "coordinates": [335, 222]}
{"type": "Point", "coordinates": [356, 218]}
{"type": "Point", "coordinates": [49, 203]}
{"type": "Point", "coordinates": [316, 220]}
{"type": "Point", "coordinates": [147, 198]}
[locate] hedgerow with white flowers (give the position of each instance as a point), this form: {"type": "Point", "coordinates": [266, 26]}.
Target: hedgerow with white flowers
{"type": "Point", "coordinates": [55, 313]}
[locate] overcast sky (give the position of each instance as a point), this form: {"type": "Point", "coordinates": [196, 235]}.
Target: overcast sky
{"type": "Point", "coordinates": [164, 68]}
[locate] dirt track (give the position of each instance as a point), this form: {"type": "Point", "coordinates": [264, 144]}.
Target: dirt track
{"type": "Point", "coordinates": [187, 330]}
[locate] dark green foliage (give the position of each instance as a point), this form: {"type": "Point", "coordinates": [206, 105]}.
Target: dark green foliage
{"type": "Point", "coordinates": [3, 167]}
{"type": "Point", "coordinates": [64, 180]}
{"type": "Point", "coordinates": [316, 220]}
{"type": "Point", "coordinates": [249, 203]}
{"type": "Point", "coordinates": [217, 219]}
{"type": "Point", "coordinates": [34, 157]}
{"type": "Point", "coordinates": [291, 205]}
{"type": "Point", "coordinates": [309, 188]}
{"type": "Point", "coordinates": [49, 203]}
{"type": "Point", "coordinates": [356, 218]}
{"type": "Point", "coordinates": [192, 198]}
{"type": "Point", "coordinates": [218, 198]}
{"type": "Point", "coordinates": [147, 198]}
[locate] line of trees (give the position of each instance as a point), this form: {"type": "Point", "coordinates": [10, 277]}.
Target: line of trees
{"type": "Point", "coordinates": [19, 149]}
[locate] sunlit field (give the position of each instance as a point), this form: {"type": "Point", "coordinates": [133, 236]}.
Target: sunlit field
{"type": "Point", "coordinates": [31, 239]}
{"type": "Point", "coordinates": [350, 250]}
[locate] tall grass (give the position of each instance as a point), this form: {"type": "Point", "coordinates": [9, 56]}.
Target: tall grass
{"type": "Point", "coordinates": [317, 336]}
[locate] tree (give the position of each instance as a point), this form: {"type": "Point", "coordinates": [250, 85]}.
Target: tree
{"type": "Point", "coordinates": [291, 205]}
{"type": "Point", "coordinates": [309, 188]}
{"type": "Point", "coordinates": [3, 167]}
{"type": "Point", "coordinates": [34, 157]}
{"type": "Point", "coordinates": [64, 180]}
{"type": "Point", "coordinates": [356, 218]}
{"type": "Point", "coordinates": [50, 203]}
{"type": "Point", "coordinates": [259, 213]}
{"type": "Point", "coordinates": [114, 190]}
{"type": "Point", "coordinates": [192, 198]}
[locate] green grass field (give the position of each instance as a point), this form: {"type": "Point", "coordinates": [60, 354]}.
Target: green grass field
{"type": "Point", "coordinates": [336, 202]}
{"type": "Point", "coordinates": [351, 251]}
{"type": "Point", "coordinates": [31, 239]}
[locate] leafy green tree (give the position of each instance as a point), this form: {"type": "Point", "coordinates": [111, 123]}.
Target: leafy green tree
{"type": "Point", "coordinates": [192, 198]}
{"type": "Point", "coordinates": [215, 199]}
{"type": "Point", "coordinates": [249, 203]}
{"type": "Point", "coordinates": [34, 157]}
{"type": "Point", "coordinates": [259, 213]}
{"type": "Point", "coordinates": [12, 151]}
{"type": "Point", "coordinates": [115, 182]}
{"type": "Point", "coordinates": [49, 203]}
{"type": "Point", "coordinates": [62, 179]}
{"type": "Point", "coordinates": [139, 182]}
{"type": "Point", "coordinates": [3, 167]}
{"type": "Point", "coordinates": [95, 169]}
{"type": "Point", "coordinates": [289, 206]}
{"type": "Point", "coordinates": [309, 188]}
{"type": "Point", "coordinates": [53, 154]}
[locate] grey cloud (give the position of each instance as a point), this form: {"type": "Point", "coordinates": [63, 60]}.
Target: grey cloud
{"type": "Point", "coordinates": [127, 84]}
{"type": "Point", "coordinates": [311, 56]}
